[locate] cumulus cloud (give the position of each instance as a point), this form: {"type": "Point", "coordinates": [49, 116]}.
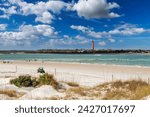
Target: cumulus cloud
{"type": "Point", "coordinates": [27, 32]}
{"type": "Point", "coordinates": [82, 40]}
{"type": "Point", "coordinates": [127, 29]}
{"type": "Point", "coordinates": [4, 16]}
{"type": "Point", "coordinates": [102, 43]}
{"type": "Point", "coordinates": [89, 31]}
{"type": "Point", "coordinates": [46, 17]}
{"type": "Point", "coordinates": [123, 30]}
{"type": "Point", "coordinates": [66, 37]}
{"type": "Point", "coordinates": [44, 11]}
{"type": "Point", "coordinates": [112, 40]}
{"type": "Point", "coordinates": [80, 28]}
{"type": "Point", "coordinates": [68, 41]}
{"type": "Point", "coordinates": [3, 27]}
{"type": "Point", "coordinates": [7, 12]}
{"type": "Point", "coordinates": [95, 9]}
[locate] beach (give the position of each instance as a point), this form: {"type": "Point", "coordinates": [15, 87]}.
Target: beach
{"type": "Point", "coordinates": [84, 74]}
{"type": "Point", "coordinates": [74, 81]}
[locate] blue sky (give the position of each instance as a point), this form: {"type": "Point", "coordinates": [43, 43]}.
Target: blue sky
{"type": "Point", "coordinates": [72, 24]}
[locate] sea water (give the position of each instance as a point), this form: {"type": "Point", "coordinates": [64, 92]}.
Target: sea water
{"type": "Point", "coordinates": [115, 59]}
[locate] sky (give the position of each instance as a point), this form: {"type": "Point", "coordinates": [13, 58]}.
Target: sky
{"type": "Point", "coordinates": [73, 24]}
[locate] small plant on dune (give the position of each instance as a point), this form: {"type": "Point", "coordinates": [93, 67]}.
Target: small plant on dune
{"type": "Point", "coordinates": [40, 70]}
{"type": "Point", "coordinates": [48, 79]}
{"type": "Point", "coordinates": [73, 84]}
{"type": "Point", "coordinates": [78, 90]}
{"type": "Point", "coordinates": [24, 81]}
{"type": "Point", "coordinates": [10, 93]}
{"type": "Point", "coordinates": [27, 81]}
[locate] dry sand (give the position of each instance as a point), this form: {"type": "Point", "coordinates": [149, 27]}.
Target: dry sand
{"type": "Point", "coordinates": [84, 74]}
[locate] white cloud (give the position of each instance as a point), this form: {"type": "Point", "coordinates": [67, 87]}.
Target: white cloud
{"type": "Point", "coordinates": [27, 33]}
{"type": "Point", "coordinates": [95, 9]}
{"type": "Point", "coordinates": [80, 28]}
{"type": "Point", "coordinates": [11, 10]}
{"type": "Point", "coordinates": [4, 16]}
{"type": "Point", "coordinates": [66, 37]}
{"type": "Point", "coordinates": [95, 34]}
{"type": "Point", "coordinates": [68, 41]}
{"type": "Point", "coordinates": [3, 26]}
{"type": "Point", "coordinates": [79, 37]}
{"type": "Point", "coordinates": [44, 11]}
{"type": "Point", "coordinates": [55, 5]}
{"type": "Point", "coordinates": [8, 11]}
{"type": "Point", "coordinates": [46, 17]}
{"type": "Point", "coordinates": [89, 31]}
{"type": "Point", "coordinates": [102, 43]}
{"type": "Point", "coordinates": [5, 4]}
{"type": "Point", "coordinates": [124, 30]}
{"type": "Point", "coordinates": [82, 40]}
{"type": "Point", "coordinates": [112, 40]}
{"type": "Point", "coordinates": [127, 29]}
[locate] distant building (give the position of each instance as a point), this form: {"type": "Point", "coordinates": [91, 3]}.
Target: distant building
{"type": "Point", "coordinates": [93, 46]}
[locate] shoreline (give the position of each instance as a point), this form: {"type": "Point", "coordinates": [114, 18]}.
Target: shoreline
{"type": "Point", "coordinates": [80, 63]}
{"type": "Point", "coordinates": [84, 74]}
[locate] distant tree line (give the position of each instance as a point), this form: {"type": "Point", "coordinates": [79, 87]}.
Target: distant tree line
{"type": "Point", "coordinates": [74, 51]}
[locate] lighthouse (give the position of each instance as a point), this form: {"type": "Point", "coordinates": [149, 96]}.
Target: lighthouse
{"type": "Point", "coordinates": [93, 46]}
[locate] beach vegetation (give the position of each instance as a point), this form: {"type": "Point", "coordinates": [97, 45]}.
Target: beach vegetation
{"type": "Point", "coordinates": [40, 70]}
{"type": "Point", "coordinates": [79, 90]}
{"type": "Point", "coordinates": [23, 81]}
{"type": "Point", "coordinates": [11, 93]}
{"type": "Point", "coordinates": [28, 81]}
{"type": "Point", "coordinates": [73, 84]}
{"type": "Point", "coordinates": [132, 90]}
{"type": "Point", "coordinates": [48, 79]}
{"type": "Point", "coordinates": [116, 90]}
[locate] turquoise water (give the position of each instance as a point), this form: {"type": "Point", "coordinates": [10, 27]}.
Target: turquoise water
{"type": "Point", "coordinates": [117, 59]}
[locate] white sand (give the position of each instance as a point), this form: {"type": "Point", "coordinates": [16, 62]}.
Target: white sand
{"type": "Point", "coordinates": [84, 74]}
{"type": "Point", "coordinates": [42, 92]}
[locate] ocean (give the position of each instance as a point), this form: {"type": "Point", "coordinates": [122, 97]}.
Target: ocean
{"type": "Point", "coordinates": [115, 59]}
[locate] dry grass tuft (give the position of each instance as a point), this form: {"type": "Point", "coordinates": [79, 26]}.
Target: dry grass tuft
{"type": "Point", "coordinates": [133, 90]}
{"type": "Point", "coordinates": [118, 90]}
{"type": "Point", "coordinates": [79, 90]}
{"type": "Point", "coordinates": [73, 84]}
{"type": "Point", "coordinates": [11, 93]}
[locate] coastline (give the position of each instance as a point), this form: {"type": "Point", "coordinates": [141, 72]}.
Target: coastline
{"type": "Point", "coordinates": [84, 74]}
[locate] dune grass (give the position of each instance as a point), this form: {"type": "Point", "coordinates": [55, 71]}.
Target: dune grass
{"type": "Point", "coordinates": [11, 93]}
{"type": "Point", "coordinates": [132, 90]}
{"type": "Point", "coordinates": [73, 84]}
{"type": "Point", "coordinates": [117, 90]}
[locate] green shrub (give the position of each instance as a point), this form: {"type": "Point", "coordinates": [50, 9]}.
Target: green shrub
{"type": "Point", "coordinates": [48, 79]}
{"type": "Point", "coordinates": [40, 70]}
{"type": "Point", "coordinates": [24, 81]}
{"type": "Point", "coordinates": [35, 82]}
{"type": "Point", "coordinates": [27, 81]}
